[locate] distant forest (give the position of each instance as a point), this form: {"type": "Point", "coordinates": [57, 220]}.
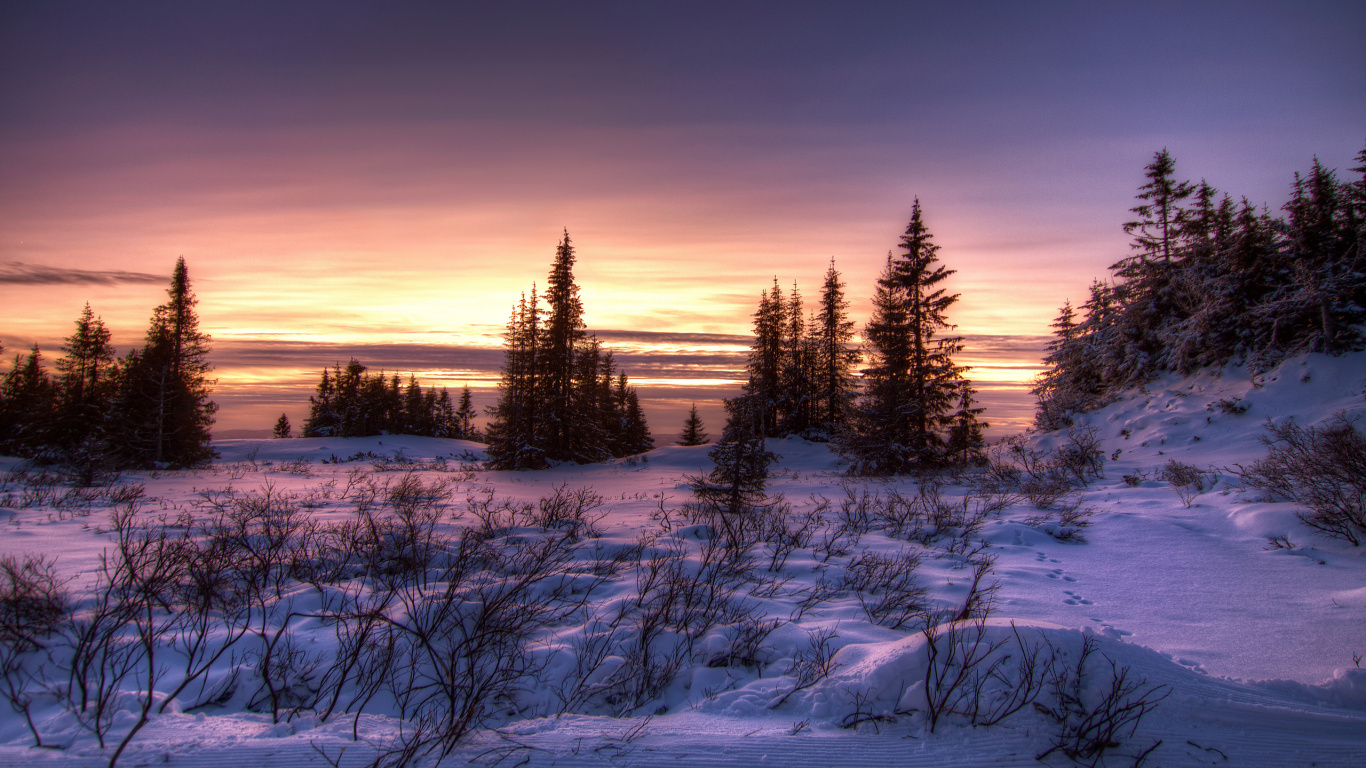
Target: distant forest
{"type": "Point", "coordinates": [1210, 280]}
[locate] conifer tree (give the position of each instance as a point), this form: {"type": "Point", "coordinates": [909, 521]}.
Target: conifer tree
{"type": "Point", "coordinates": [797, 376]}
{"type": "Point", "coordinates": [164, 389]}
{"type": "Point", "coordinates": [282, 429]}
{"type": "Point", "coordinates": [29, 402]}
{"type": "Point", "coordinates": [966, 444]}
{"type": "Point", "coordinates": [912, 382]}
{"type": "Point", "coordinates": [563, 338]}
{"type": "Point", "coordinates": [513, 441]}
{"type": "Point", "coordinates": [464, 416]}
{"type": "Point", "coordinates": [693, 433]}
{"type": "Point", "coordinates": [82, 438]}
{"type": "Point", "coordinates": [736, 485]}
{"type": "Point", "coordinates": [767, 358]}
{"type": "Point", "coordinates": [834, 358]}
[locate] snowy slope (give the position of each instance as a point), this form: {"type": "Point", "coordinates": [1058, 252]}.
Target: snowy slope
{"type": "Point", "coordinates": [1252, 647]}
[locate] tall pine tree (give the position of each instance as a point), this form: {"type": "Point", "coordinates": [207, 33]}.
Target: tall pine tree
{"type": "Point", "coordinates": [912, 384]}
{"type": "Point", "coordinates": [164, 392]}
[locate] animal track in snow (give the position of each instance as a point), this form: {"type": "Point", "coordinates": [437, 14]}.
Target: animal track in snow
{"type": "Point", "coordinates": [1075, 599]}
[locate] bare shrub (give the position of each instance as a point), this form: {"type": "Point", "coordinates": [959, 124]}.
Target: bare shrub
{"type": "Point", "coordinates": [1094, 720]}
{"type": "Point", "coordinates": [811, 665]}
{"type": "Point", "coordinates": [1321, 468]}
{"type": "Point", "coordinates": [33, 607]}
{"type": "Point", "coordinates": [572, 510]}
{"type": "Point", "coordinates": [886, 587]}
{"type": "Point", "coordinates": [1186, 479]}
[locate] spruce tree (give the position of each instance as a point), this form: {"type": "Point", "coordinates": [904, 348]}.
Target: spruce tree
{"type": "Point", "coordinates": [464, 416]}
{"type": "Point", "coordinates": [513, 440]}
{"type": "Point", "coordinates": [29, 407]}
{"type": "Point", "coordinates": [966, 445]}
{"type": "Point", "coordinates": [563, 337]}
{"type": "Point", "coordinates": [767, 358]}
{"type": "Point", "coordinates": [834, 358]}
{"type": "Point", "coordinates": [82, 437]}
{"type": "Point", "coordinates": [164, 390]}
{"type": "Point", "coordinates": [282, 429]}
{"type": "Point", "coordinates": [912, 383]}
{"type": "Point", "coordinates": [736, 485]}
{"type": "Point", "coordinates": [693, 433]}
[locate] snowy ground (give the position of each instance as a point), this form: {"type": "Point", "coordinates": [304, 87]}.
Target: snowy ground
{"type": "Point", "coordinates": [1254, 647]}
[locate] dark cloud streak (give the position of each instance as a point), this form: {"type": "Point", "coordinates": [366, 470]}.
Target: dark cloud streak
{"type": "Point", "coordinates": [19, 273]}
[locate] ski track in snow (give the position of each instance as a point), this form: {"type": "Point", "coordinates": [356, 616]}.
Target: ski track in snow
{"type": "Point", "coordinates": [1256, 645]}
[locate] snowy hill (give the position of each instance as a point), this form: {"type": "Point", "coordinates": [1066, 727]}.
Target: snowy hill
{"type": "Point", "coordinates": [1245, 653]}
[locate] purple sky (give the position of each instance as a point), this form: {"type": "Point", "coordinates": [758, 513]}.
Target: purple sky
{"type": "Point", "coordinates": [354, 176]}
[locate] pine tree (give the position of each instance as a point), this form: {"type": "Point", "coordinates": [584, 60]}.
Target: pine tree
{"type": "Point", "coordinates": [636, 437]}
{"type": "Point", "coordinates": [464, 416]}
{"type": "Point", "coordinates": [737, 483]}
{"type": "Point", "coordinates": [966, 444]}
{"type": "Point", "coordinates": [692, 429]}
{"type": "Point", "coordinates": [834, 359]}
{"type": "Point", "coordinates": [797, 377]}
{"type": "Point", "coordinates": [164, 390]}
{"type": "Point", "coordinates": [912, 382]}
{"type": "Point", "coordinates": [563, 337]}
{"type": "Point", "coordinates": [323, 419]}
{"type": "Point", "coordinates": [29, 405]}
{"type": "Point", "coordinates": [513, 440]}
{"type": "Point", "coordinates": [767, 359]}
{"type": "Point", "coordinates": [82, 439]}
{"type": "Point", "coordinates": [282, 429]}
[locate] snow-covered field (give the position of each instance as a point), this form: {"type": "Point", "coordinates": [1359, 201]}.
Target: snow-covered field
{"type": "Point", "coordinates": [1245, 651]}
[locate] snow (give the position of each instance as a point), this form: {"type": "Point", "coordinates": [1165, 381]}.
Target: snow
{"type": "Point", "coordinates": [1253, 646]}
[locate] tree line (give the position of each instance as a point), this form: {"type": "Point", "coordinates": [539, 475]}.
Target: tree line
{"type": "Point", "coordinates": [352, 403]}
{"type": "Point", "coordinates": [100, 413]}
{"type": "Point", "coordinates": [1211, 281]}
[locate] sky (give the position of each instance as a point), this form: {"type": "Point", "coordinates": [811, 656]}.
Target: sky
{"type": "Point", "coordinates": [383, 180]}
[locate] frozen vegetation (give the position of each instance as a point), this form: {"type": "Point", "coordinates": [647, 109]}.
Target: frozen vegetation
{"type": "Point", "coordinates": [1104, 595]}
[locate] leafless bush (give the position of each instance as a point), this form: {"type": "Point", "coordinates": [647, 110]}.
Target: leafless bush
{"type": "Point", "coordinates": [1186, 479]}
{"type": "Point", "coordinates": [299, 466]}
{"type": "Point", "coordinates": [461, 642]}
{"type": "Point", "coordinates": [496, 515]}
{"type": "Point", "coordinates": [1321, 468]}
{"type": "Point", "coordinates": [1093, 721]}
{"type": "Point", "coordinates": [572, 510]}
{"type": "Point", "coordinates": [886, 587]}
{"type": "Point", "coordinates": [747, 640]}
{"type": "Point", "coordinates": [812, 665]}
{"type": "Point", "coordinates": [1082, 455]}
{"type": "Point", "coordinates": [33, 607]}
{"type": "Point", "coordinates": [786, 533]}
{"type": "Point", "coordinates": [1066, 523]}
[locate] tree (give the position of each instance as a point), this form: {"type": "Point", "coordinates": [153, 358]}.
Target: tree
{"type": "Point", "coordinates": [464, 417]}
{"type": "Point", "coordinates": [736, 484]}
{"type": "Point", "coordinates": [282, 429]}
{"type": "Point", "coordinates": [965, 444]}
{"type": "Point", "coordinates": [767, 358]}
{"type": "Point", "coordinates": [513, 440]}
{"type": "Point", "coordinates": [164, 402]}
{"type": "Point", "coordinates": [562, 338]}
{"type": "Point", "coordinates": [911, 383]}
{"type": "Point", "coordinates": [692, 429]}
{"type": "Point", "coordinates": [834, 358]}
{"type": "Point", "coordinates": [82, 440]}
{"type": "Point", "coordinates": [27, 403]}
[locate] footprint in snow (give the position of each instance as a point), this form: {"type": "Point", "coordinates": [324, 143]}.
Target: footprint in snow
{"type": "Point", "coordinates": [1075, 599]}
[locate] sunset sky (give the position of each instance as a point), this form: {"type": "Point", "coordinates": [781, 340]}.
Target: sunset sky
{"type": "Point", "coordinates": [382, 180]}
